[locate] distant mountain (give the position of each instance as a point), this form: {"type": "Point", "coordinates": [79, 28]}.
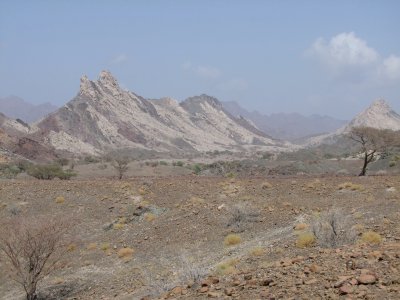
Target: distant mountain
{"type": "Point", "coordinates": [17, 108]}
{"type": "Point", "coordinates": [378, 115]}
{"type": "Point", "coordinates": [287, 126]}
{"type": "Point", "coordinates": [103, 117]}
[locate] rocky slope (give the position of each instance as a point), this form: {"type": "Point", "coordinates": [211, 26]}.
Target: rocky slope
{"type": "Point", "coordinates": [103, 116]}
{"type": "Point", "coordinates": [16, 142]}
{"type": "Point", "coordinates": [287, 126]}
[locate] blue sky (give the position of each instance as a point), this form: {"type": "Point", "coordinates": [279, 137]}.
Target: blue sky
{"type": "Point", "coordinates": [324, 57]}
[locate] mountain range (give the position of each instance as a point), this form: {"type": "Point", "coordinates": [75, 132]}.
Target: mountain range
{"type": "Point", "coordinates": [103, 117]}
{"type": "Point", "coordinates": [287, 126]}
{"type": "Point", "coordinates": [17, 108]}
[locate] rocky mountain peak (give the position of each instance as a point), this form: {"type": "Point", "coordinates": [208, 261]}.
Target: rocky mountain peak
{"type": "Point", "coordinates": [378, 115]}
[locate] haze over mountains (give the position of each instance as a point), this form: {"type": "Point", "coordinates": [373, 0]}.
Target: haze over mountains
{"type": "Point", "coordinates": [17, 108]}
{"type": "Point", "coordinates": [286, 126]}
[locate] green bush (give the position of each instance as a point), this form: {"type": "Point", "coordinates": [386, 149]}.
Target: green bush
{"type": "Point", "coordinates": [9, 171]}
{"type": "Point", "coordinates": [50, 171]}
{"type": "Point", "coordinates": [196, 169]}
{"type": "Point", "coordinates": [163, 163]}
{"type": "Point", "coordinates": [178, 163]}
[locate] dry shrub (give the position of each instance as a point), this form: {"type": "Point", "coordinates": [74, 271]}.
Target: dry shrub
{"type": "Point", "coordinates": [91, 246]}
{"type": "Point", "coordinates": [300, 226]}
{"type": "Point", "coordinates": [60, 199]}
{"type": "Point", "coordinates": [149, 217]}
{"type": "Point", "coordinates": [306, 239]}
{"type": "Point", "coordinates": [118, 226]}
{"type": "Point", "coordinates": [125, 253]}
{"type": "Point", "coordinates": [33, 247]}
{"type": "Point", "coordinates": [266, 185]}
{"type": "Point", "coordinates": [371, 237]}
{"type": "Point", "coordinates": [350, 186]}
{"type": "Point", "coordinates": [240, 215]}
{"type": "Point", "coordinates": [228, 267]}
{"type": "Point", "coordinates": [257, 251]}
{"type": "Point", "coordinates": [105, 246]}
{"type": "Point", "coordinates": [232, 239]}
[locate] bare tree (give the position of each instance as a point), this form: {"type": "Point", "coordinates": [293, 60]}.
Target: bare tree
{"type": "Point", "coordinates": [120, 164]}
{"type": "Point", "coordinates": [33, 248]}
{"type": "Point", "coordinates": [372, 141]}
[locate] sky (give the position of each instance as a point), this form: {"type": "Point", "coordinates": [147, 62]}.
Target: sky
{"type": "Point", "coordinates": [311, 57]}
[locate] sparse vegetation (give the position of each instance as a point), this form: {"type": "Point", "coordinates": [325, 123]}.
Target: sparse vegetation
{"type": "Point", "coordinates": [232, 239]}
{"type": "Point", "coordinates": [306, 239]}
{"type": "Point", "coordinates": [120, 164]}
{"type": "Point", "coordinates": [125, 253]}
{"type": "Point", "coordinates": [371, 237]}
{"type": "Point", "coordinates": [33, 248]}
{"type": "Point", "coordinates": [50, 171]}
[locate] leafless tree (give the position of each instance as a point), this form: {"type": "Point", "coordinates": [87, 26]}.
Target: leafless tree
{"type": "Point", "coordinates": [372, 141]}
{"type": "Point", "coordinates": [120, 164]}
{"type": "Point", "coordinates": [33, 248]}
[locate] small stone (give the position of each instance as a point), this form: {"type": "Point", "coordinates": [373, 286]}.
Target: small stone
{"type": "Point", "coordinates": [366, 279]}
{"type": "Point", "coordinates": [228, 291]}
{"type": "Point", "coordinates": [247, 277]}
{"type": "Point", "coordinates": [266, 282]}
{"type": "Point", "coordinates": [312, 281]}
{"type": "Point", "coordinates": [346, 289]}
{"type": "Point", "coordinates": [353, 281]}
{"type": "Point", "coordinates": [213, 294]}
{"type": "Point", "coordinates": [203, 289]}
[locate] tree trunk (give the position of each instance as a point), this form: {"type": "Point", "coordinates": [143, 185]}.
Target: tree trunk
{"type": "Point", "coordinates": [364, 168]}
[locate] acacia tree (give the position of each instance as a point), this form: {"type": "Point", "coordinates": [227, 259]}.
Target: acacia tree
{"type": "Point", "coordinates": [33, 248]}
{"type": "Point", "coordinates": [120, 164]}
{"type": "Point", "coordinates": [372, 142]}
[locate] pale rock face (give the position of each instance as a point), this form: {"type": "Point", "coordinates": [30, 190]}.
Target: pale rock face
{"type": "Point", "coordinates": [103, 116]}
{"type": "Point", "coordinates": [378, 115]}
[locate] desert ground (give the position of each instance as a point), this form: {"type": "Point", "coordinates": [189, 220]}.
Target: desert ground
{"type": "Point", "coordinates": [198, 237]}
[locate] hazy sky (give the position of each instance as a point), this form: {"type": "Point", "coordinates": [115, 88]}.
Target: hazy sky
{"type": "Point", "coordinates": [325, 57]}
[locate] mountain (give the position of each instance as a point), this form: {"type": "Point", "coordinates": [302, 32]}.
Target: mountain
{"type": "Point", "coordinates": [15, 141]}
{"type": "Point", "coordinates": [17, 108]}
{"type": "Point", "coordinates": [287, 126]}
{"type": "Point", "coordinates": [378, 115]}
{"type": "Point", "coordinates": [103, 117]}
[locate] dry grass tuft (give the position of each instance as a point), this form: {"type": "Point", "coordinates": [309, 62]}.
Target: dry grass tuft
{"type": "Point", "coordinates": [125, 253]}
{"type": "Point", "coordinates": [306, 239]}
{"type": "Point", "coordinates": [149, 217]}
{"type": "Point", "coordinates": [301, 226]}
{"type": "Point", "coordinates": [91, 246]}
{"type": "Point", "coordinates": [371, 237]}
{"type": "Point", "coordinates": [351, 186]}
{"type": "Point", "coordinates": [60, 199]}
{"type": "Point", "coordinates": [257, 251]}
{"type": "Point", "coordinates": [105, 246]}
{"type": "Point", "coordinates": [118, 226]}
{"type": "Point", "coordinates": [266, 185]}
{"type": "Point", "coordinates": [71, 248]}
{"type": "Point", "coordinates": [232, 239]}
{"type": "Point", "coordinates": [228, 267]}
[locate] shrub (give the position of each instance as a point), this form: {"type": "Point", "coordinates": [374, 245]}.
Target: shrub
{"type": "Point", "coordinates": [91, 246]}
{"type": "Point", "coordinates": [196, 169]}
{"type": "Point", "coordinates": [50, 171]}
{"type": "Point", "coordinates": [118, 226]}
{"type": "Point", "coordinates": [371, 237]}
{"type": "Point", "coordinates": [149, 217]}
{"type": "Point", "coordinates": [178, 163]}
{"type": "Point", "coordinates": [125, 253]}
{"type": "Point", "coordinates": [163, 163]}
{"type": "Point", "coordinates": [257, 251]}
{"type": "Point", "coordinates": [392, 164]}
{"type": "Point", "coordinates": [33, 248]}
{"type": "Point", "coordinates": [305, 240]}
{"type": "Point", "coordinates": [350, 186]}
{"type": "Point", "coordinates": [60, 199]}
{"type": "Point", "coordinates": [9, 170]}
{"type": "Point", "coordinates": [300, 226]}
{"type": "Point", "coordinates": [228, 267]}
{"type": "Point", "coordinates": [232, 239]}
